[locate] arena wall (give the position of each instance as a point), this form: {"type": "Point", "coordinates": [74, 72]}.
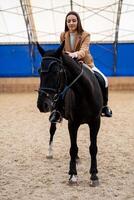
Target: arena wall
{"type": "Point", "coordinates": [19, 71]}
{"type": "Point", "coordinates": [16, 60]}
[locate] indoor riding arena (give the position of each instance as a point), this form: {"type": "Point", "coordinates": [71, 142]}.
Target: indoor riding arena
{"type": "Point", "coordinates": [26, 172]}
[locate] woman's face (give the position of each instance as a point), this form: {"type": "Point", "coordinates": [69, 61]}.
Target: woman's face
{"type": "Point", "coordinates": [72, 23]}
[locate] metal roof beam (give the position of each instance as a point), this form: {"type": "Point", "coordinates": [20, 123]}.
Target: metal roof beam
{"type": "Point", "coordinates": [117, 34]}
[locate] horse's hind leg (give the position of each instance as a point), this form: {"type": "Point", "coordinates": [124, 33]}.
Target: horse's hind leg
{"type": "Point", "coordinates": [73, 128]}
{"type": "Point", "coordinates": [52, 132]}
{"type": "Point", "coordinates": [94, 128]}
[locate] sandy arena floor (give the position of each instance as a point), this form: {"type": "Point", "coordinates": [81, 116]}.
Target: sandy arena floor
{"type": "Point", "coordinates": [26, 173]}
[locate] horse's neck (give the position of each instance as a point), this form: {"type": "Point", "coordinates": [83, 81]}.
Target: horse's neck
{"type": "Point", "coordinates": [71, 65]}
{"type": "Point", "coordinates": [87, 80]}
{"type": "Point", "coordinates": [80, 76]}
{"type": "Point", "coordinates": [75, 70]}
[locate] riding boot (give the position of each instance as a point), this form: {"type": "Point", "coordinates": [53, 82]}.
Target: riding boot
{"type": "Point", "coordinates": [55, 115]}
{"type": "Point", "coordinates": [106, 111]}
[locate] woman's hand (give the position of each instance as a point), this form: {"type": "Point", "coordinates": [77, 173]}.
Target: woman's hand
{"type": "Point", "coordinates": [72, 55]}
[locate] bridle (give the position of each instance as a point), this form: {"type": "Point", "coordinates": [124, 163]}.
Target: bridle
{"type": "Point", "coordinates": [58, 92]}
{"type": "Point", "coordinates": [52, 60]}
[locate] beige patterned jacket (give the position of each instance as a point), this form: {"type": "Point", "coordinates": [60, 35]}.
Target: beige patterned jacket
{"type": "Point", "coordinates": [81, 46]}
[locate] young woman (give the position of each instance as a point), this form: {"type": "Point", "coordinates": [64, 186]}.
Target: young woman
{"type": "Point", "coordinates": [77, 43]}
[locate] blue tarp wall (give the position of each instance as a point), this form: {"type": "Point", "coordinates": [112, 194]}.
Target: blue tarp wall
{"type": "Point", "coordinates": [15, 59]}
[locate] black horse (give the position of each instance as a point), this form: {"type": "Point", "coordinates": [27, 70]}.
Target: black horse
{"type": "Point", "coordinates": [80, 101]}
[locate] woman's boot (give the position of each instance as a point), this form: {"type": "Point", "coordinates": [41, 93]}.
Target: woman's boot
{"type": "Point", "coordinates": [106, 111]}
{"type": "Point", "coordinates": [55, 115]}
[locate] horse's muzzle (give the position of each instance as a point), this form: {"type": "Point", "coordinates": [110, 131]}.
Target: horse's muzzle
{"type": "Point", "coordinates": [44, 105]}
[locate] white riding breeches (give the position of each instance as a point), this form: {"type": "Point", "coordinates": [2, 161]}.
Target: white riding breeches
{"type": "Point", "coordinates": [95, 69]}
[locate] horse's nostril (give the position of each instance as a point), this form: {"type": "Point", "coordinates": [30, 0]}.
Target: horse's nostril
{"type": "Point", "coordinates": [45, 105]}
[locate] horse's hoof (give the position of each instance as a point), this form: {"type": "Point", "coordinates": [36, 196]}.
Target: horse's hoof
{"type": "Point", "coordinates": [78, 161]}
{"type": "Point", "coordinates": [94, 183]}
{"type": "Point", "coordinates": [94, 180]}
{"type": "Point", "coordinates": [73, 180]}
{"type": "Point", "coordinates": [49, 156]}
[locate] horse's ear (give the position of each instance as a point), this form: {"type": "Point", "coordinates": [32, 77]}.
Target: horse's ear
{"type": "Point", "coordinates": [40, 49]}
{"type": "Point", "coordinates": [59, 50]}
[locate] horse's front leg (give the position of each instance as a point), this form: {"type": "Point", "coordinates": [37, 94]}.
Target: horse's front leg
{"type": "Point", "coordinates": [52, 132]}
{"type": "Point", "coordinates": [94, 128]}
{"type": "Point", "coordinates": [73, 128]}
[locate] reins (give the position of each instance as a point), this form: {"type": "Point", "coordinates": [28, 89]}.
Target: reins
{"type": "Point", "coordinates": [62, 94]}
{"type": "Point", "coordinates": [66, 88]}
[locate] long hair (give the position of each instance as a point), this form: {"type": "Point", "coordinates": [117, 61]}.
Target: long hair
{"type": "Point", "coordinates": [79, 25]}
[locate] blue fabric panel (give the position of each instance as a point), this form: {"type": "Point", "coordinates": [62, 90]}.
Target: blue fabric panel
{"type": "Point", "coordinates": [125, 62]}
{"type": "Point", "coordinates": [103, 57]}
{"type": "Point", "coordinates": [15, 59]}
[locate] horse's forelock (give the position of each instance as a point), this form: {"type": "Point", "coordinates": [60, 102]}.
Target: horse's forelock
{"type": "Point", "coordinates": [51, 53]}
{"type": "Point", "coordinates": [50, 63]}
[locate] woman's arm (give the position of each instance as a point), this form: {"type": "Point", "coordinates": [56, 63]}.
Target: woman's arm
{"type": "Point", "coordinates": [84, 48]}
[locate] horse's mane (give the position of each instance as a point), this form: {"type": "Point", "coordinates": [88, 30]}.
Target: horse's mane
{"type": "Point", "coordinates": [75, 67]}
{"type": "Point", "coordinates": [71, 63]}
{"type": "Point", "coordinates": [86, 80]}
{"type": "Point", "coordinates": [87, 83]}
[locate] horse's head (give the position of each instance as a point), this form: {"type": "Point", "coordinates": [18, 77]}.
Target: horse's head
{"type": "Point", "coordinates": [50, 74]}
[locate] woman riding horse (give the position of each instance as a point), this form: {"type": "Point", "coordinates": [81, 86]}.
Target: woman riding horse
{"type": "Point", "coordinates": [77, 46]}
{"type": "Point", "coordinates": [80, 102]}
